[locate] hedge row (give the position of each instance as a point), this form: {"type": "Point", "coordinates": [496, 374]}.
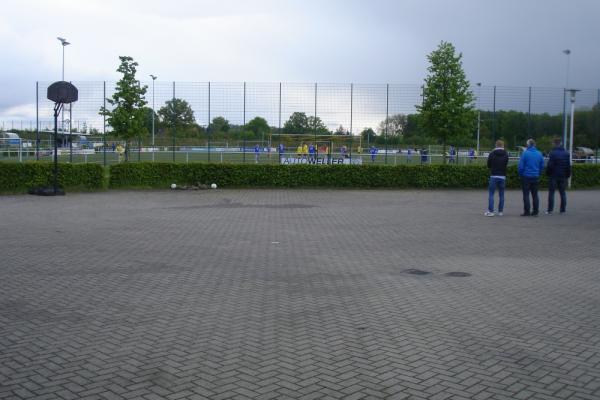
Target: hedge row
{"type": "Point", "coordinates": [20, 177]}
{"type": "Point", "coordinates": [161, 175]}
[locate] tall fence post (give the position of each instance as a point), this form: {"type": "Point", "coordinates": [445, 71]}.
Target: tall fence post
{"type": "Point", "coordinates": [244, 129]}
{"type": "Point", "coordinates": [494, 117]}
{"type": "Point", "coordinates": [104, 122]}
{"type": "Point", "coordinates": [279, 130]}
{"type": "Point", "coordinates": [208, 128]}
{"type": "Point", "coordinates": [315, 121]}
{"type": "Point", "coordinates": [387, 118]}
{"type": "Point", "coordinates": [37, 121]}
{"type": "Point", "coordinates": [173, 122]}
{"type": "Point", "coordinates": [71, 132]}
{"type": "Point", "coordinates": [351, 117]}
{"type": "Point", "coordinates": [565, 117]}
{"type": "Point", "coordinates": [528, 116]}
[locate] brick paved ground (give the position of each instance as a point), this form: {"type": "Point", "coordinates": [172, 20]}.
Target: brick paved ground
{"type": "Point", "coordinates": [297, 294]}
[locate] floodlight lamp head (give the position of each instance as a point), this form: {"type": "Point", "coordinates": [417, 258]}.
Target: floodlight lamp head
{"type": "Point", "coordinates": [153, 77]}
{"type": "Point", "coordinates": [573, 94]}
{"type": "Point", "coordinates": [63, 41]}
{"type": "Point", "coordinates": [567, 51]}
{"type": "Point", "coordinates": [478, 83]}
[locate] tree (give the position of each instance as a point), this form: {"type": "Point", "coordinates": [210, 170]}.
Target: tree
{"type": "Point", "coordinates": [296, 124]}
{"type": "Point", "coordinates": [317, 127]}
{"type": "Point", "coordinates": [341, 131]}
{"type": "Point", "coordinates": [127, 115]}
{"type": "Point", "coordinates": [259, 127]}
{"type": "Point", "coordinates": [219, 124]}
{"type": "Point", "coordinates": [396, 125]}
{"type": "Point", "coordinates": [368, 136]}
{"type": "Point", "coordinates": [447, 109]}
{"type": "Point", "coordinates": [177, 113]}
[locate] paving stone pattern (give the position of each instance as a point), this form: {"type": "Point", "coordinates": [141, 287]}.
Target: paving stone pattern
{"type": "Point", "coordinates": [297, 294]}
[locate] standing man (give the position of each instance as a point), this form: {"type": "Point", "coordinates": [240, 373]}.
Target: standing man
{"type": "Point", "coordinates": [373, 152]}
{"type": "Point", "coordinates": [256, 153]}
{"type": "Point", "coordinates": [497, 162]}
{"type": "Point", "coordinates": [558, 171]}
{"type": "Point", "coordinates": [281, 149]}
{"type": "Point", "coordinates": [531, 166]}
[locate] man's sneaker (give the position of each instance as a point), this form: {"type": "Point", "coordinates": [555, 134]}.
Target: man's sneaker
{"type": "Point", "coordinates": [500, 213]}
{"type": "Point", "coordinates": [534, 214]}
{"type": "Point", "coordinates": [525, 214]}
{"type": "Point", "coordinates": [548, 212]}
{"type": "Point", "coordinates": [489, 214]}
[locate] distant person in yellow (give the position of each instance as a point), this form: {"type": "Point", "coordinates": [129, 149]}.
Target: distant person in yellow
{"type": "Point", "coordinates": [120, 151]}
{"type": "Point", "coordinates": [305, 151]}
{"type": "Point", "coordinates": [299, 151]}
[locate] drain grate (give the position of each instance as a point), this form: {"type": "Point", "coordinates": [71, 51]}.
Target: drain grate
{"type": "Point", "coordinates": [413, 271]}
{"type": "Point", "coordinates": [458, 274]}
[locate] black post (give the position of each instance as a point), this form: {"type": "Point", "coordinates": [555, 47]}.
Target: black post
{"type": "Point", "coordinates": [351, 115]}
{"type": "Point", "coordinates": [208, 128]}
{"type": "Point", "coordinates": [57, 109]}
{"type": "Point", "coordinates": [279, 129]}
{"type": "Point", "coordinates": [494, 118]}
{"type": "Point", "coordinates": [71, 133]}
{"type": "Point", "coordinates": [244, 130]}
{"type": "Point", "coordinates": [387, 119]}
{"type": "Point", "coordinates": [315, 121]}
{"type": "Point", "coordinates": [173, 122]}
{"type": "Point", "coordinates": [104, 122]}
{"type": "Point", "coordinates": [37, 122]}
{"type": "Point", "coordinates": [528, 116]}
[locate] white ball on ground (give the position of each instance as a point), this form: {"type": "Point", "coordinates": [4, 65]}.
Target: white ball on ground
{"type": "Point", "coordinates": [213, 186]}
{"type": "Point", "coordinates": [173, 186]}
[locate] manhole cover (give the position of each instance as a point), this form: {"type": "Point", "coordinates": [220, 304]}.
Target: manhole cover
{"type": "Point", "coordinates": [417, 272]}
{"type": "Point", "coordinates": [458, 274]}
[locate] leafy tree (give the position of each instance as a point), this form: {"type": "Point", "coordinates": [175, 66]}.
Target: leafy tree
{"type": "Point", "coordinates": [341, 131]}
{"type": "Point", "coordinates": [447, 109]}
{"type": "Point", "coordinates": [297, 123]}
{"type": "Point", "coordinates": [219, 124]}
{"type": "Point", "coordinates": [316, 126]}
{"type": "Point", "coordinates": [259, 127]}
{"type": "Point", "coordinates": [148, 119]}
{"type": "Point", "coordinates": [177, 113]}
{"type": "Point", "coordinates": [368, 135]}
{"type": "Point", "coordinates": [127, 115]}
{"type": "Point", "coordinates": [396, 125]}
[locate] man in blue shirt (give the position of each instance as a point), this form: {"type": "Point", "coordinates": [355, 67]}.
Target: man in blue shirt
{"type": "Point", "coordinates": [373, 152]}
{"type": "Point", "coordinates": [312, 152]}
{"type": "Point", "coordinates": [281, 149]}
{"type": "Point", "coordinates": [256, 153]}
{"type": "Point", "coordinates": [531, 166]}
{"type": "Point", "coordinates": [558, 172]}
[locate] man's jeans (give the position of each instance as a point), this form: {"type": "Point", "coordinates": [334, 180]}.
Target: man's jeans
{"type": "Point", "coordinates": [530, 185]}
{"type": "Point", "coordinates": [561, 185]}
{"type": "Point", "coordinates": [500, 184]}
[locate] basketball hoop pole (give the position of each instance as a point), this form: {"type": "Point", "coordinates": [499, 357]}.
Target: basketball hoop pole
{"type": "Point", "coordinates": [57, 109]}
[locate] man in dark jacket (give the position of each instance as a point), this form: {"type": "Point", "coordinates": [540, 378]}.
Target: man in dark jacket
{"type": "Point", "coordinates": [558, 171]}
{"type": "Point", "coordinates": [531, 166]}
{"type": "Point", "coordinates": [497, 162]}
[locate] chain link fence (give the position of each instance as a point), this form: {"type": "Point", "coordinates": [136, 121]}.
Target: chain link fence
{"type": "Point", "coordinates": [345, 113]}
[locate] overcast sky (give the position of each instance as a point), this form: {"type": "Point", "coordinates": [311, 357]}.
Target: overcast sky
{"type": "Point", "coordinates": [508, 42]}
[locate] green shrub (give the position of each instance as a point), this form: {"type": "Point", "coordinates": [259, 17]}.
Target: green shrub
{"type": "Point", "coordinates": [20, 177]}
{"type": "Point", "coordinates": [161, 175]}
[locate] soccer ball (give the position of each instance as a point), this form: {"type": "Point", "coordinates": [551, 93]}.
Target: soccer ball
{"type": "Point", "coordinates": [214, 185]}
{"type": "Point", "coordinates": [173, 186]}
